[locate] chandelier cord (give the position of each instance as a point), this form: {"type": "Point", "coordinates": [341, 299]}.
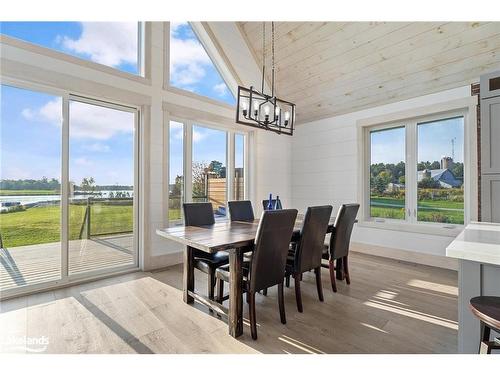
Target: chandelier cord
{"type": "Point", "coordinates": [272, 58]}
{"type": "Point", "coordinates": [263, 54]}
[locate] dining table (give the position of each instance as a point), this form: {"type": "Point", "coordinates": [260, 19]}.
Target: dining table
{"type": "Point", "coordinates": [234, 237]}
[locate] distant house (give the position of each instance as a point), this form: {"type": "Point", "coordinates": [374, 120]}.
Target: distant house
{"type": "Point", "coordinates": [392, 187]}
{"type": "Point", "coordinates": [445, 177]}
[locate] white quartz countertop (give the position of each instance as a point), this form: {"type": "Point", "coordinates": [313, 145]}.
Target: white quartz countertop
{"type": "Point", "coordinates": [478, 242]}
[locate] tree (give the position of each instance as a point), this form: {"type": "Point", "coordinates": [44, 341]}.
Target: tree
{"type": "Point", "coordinates": [381, 181]}
{"type": "Point", "coordinates": [458, 170]}
{"type": "Point", "coordinates": [428, 183]}
{"type": "Point", "coordinates": [216, 167]}
{"type": "Point", "coordinates": [435, 165]}
{"type": "Point", "coordinates": [88, 184]}
{"type": "Point", "coordinates": [177, 188]}
{"type": "Point", "coordinates": [402, 180]}
{"type": "Point", "coordinates": [199, 170]}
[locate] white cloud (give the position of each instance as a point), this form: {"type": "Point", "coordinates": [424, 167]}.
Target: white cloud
{"type": "Point", "coordinates": [220, 89]}
{"type": "Point", "coordinates": [109, 43]}
{"type": "Point", "coordinates": [97, 147]}
{"type": "Point", "coordinates": [187, 59]}
{"type": "Point", "coordinates": [83, 162]}
{"type": "Point", "coordinates": [86, 121]}
{"type": "Point", "coordinates": [198, 136]}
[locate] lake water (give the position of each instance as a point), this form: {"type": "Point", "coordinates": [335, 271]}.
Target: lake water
{"type": "Point", "coordinates": [30, 199]}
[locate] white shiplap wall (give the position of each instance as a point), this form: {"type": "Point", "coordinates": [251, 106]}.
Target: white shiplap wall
{"type": "Point", "coordinates": [325, 160]}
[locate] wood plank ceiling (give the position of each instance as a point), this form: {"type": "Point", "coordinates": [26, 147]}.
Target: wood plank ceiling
{"type": "Point", "coordinates": [332, 68]}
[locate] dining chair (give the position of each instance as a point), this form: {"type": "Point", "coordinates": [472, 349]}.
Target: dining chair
{"type": "Point", "coordinates": [339, 242]}
{"type": "Point", "coordinates": [241, 211]}
{"type": "Point", "coordinates": [200, 214]}
{"type": "Point", "coordinates": [307, 253]}
{"type": "Point", "coordinates": [267, 267]}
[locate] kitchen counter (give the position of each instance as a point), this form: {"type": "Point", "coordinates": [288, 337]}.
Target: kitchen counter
{"type": "Point", "coordinates": [478, 249]}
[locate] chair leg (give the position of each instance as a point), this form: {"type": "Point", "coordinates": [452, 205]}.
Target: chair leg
{"type": "Point", "coordinates": [484, 347]}
{"type": "Point", "coordinates": [298, 296]}
{"type": "Point", "coordinates": [319, 285]}
{"type": "Point", "coordinates": [346, 271]}
{"type": "Point", "coordinates": [211, 284]}
{"type": "Point", "coordinates": [332, 275]}
{"type": "Point", "coordinates": [281, 303]}
{"type": "Point", "coordinates": [253, 320]}
{"type": "Point", "coordinates": [264, 292]}
{"type": "Point", "coordinates": [220, 290]}
{"type": "Point", "coordinates": [287, 281]}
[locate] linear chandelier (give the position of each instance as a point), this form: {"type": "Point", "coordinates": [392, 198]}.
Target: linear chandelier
{"type": "Point", "coordinates": [263, 111]}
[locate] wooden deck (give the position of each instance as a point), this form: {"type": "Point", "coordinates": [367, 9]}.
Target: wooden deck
{"type": "Point", "coordinates": [26, 265]}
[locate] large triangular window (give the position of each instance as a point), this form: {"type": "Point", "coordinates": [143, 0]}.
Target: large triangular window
{"type": "Point", "coordinates": [191, 68]}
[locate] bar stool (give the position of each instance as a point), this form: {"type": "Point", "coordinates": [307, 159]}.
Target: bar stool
{"type": "Point", "coordinates": [487, 310]}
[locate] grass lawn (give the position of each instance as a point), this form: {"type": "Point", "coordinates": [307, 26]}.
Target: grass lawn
{"type": "Point", "coordinates": [444, 211]}
{"type": "Point", "coordinates": [28, 192]}
{"type": "Point", "coordinates": [43, 224]}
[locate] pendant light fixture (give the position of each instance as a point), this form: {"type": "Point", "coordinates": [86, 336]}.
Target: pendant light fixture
{"type": "Point", "coordinates": [260, 110]}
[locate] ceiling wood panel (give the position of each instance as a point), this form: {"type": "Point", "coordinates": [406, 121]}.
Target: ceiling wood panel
{"type": "Point", "coordinates": [331, 68]}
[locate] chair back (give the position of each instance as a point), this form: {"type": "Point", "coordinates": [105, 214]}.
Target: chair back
{"type": "Point", "coordinates": [241, 211]}
{"type": "Point", "coordinates": [198, 214]}
{"type": "Point", "coordinates": [271, 248]}
{"type": "Point", "coordinates": [341, 236]}
{"type": "Point", "coordinates": [309, 250]}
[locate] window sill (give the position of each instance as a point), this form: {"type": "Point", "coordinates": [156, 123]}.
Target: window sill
{"type": "Point", "coordinates": [445, 230]}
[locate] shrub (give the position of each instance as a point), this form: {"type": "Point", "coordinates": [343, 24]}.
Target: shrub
{"type": "Point", "coordinates": [18, 208]}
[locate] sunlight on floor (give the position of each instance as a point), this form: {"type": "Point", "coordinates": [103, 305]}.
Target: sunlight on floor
{"type": "Point", "coordinates": [373, 327]}
{"type": "Point", "coordinates": [442, 288]}
{"type": "Point", "coordinates": [299, 345]}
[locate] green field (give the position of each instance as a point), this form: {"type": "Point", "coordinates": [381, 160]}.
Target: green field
{"type": "Point", "coordinates": [43, 224]}
{"type": "Point", "coordinates": [28, 192]}
{"type": "Point", "coordinates": [442, 211]}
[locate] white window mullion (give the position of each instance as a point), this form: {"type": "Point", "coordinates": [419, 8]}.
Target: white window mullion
{"type": "Point", "coordinates": [411, 172]}
{"type": "Point", "coordinates": [230, 167]}
{"type": "Point", "coordinates": [65, 189]}
{"type": "Point", "coordinates": [188, 161]}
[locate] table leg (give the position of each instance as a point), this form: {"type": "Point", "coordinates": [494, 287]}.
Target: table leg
{"type": "Point", "coordinates": [188, 275]}
{"type": "Point", "coordinates": [340, 269]}
{"type": "Point", "coordinates": [235, 318]}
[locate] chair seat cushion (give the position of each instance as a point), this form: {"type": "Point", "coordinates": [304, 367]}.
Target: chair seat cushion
{"type": "Point", "coordinates": [223, 271]}
{"type": "Point", "coordinates": [205, 261]}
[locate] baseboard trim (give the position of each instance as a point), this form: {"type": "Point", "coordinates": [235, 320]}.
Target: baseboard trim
{"type": "Point", "coordinates": [162, 261]}
{"type": "Point", "coordinates": [406, 255]}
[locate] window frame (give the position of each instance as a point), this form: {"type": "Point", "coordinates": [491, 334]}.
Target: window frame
{"type": "Point", "coordinates": [188, 125]}
{"type": "Point", "coordinates": [466, 108]}
{"type": "Point", "coordinates": [143, 55]}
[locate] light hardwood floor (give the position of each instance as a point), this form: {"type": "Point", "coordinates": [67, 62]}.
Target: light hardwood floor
{"type": "Point", "coordinates": [390, 307]}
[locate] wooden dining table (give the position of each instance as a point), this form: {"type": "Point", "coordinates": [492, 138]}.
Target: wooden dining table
{"type": "Point", "coordinates": [235, 237]}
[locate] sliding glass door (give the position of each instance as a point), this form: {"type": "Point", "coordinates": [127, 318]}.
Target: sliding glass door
{"type": "Point", "coordinates": [68, 188]}
{"type": "Point", "coordinates": [30, 188]}
{"type": "Point", "coordinates": [101, 179]}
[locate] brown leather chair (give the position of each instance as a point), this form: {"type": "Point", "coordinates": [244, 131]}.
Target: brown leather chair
{"type": "Point", "coordinates": [267, 267]}
{"type": "Point", "coordinates": [340, 240]}
{"type": "Point", "coordinates": [202, 214]}
{"type": "Point", "coordinates": [241, 211]}
{"type": "Point", "coordinates": [307, 253]}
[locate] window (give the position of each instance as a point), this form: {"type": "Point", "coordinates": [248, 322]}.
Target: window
{"type": "Point", "coordinates": [115, 44]}
{"type": "Point", "coordinates": [387, 173]}
{"type": "Point", "coordinates": [440, 171]}
{"type": "Point", "coordinates": [239, 167]}
{"type": "Point", "coordinates": [416, 171]}
{"type": "Point", "coordinates": [209, 168]}
{"type": "Point", "coordinates": [176, 172]}
{"type": "Point", "coordinates": [191, 68]}
{"type": "Point", "coordinates": [199, 158]}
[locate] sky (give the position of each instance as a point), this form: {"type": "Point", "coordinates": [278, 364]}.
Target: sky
{"type": "Point", "coordinates": [434, 142]}
{"type": "Point", "coordinates": [101, 139]}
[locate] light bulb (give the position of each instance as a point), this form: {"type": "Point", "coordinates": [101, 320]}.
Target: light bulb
{"type": "Point", "coordinates": [277, 110]}
{"type": "Point", "coordinates": [267, 109]}
{"type": "Point", "coordinates": [287, 115]}
{"type": "Point", "coordinates": [244, 104]}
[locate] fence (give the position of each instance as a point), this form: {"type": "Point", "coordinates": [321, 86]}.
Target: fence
{"type": "Point", "coordinates": [105, 216]}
